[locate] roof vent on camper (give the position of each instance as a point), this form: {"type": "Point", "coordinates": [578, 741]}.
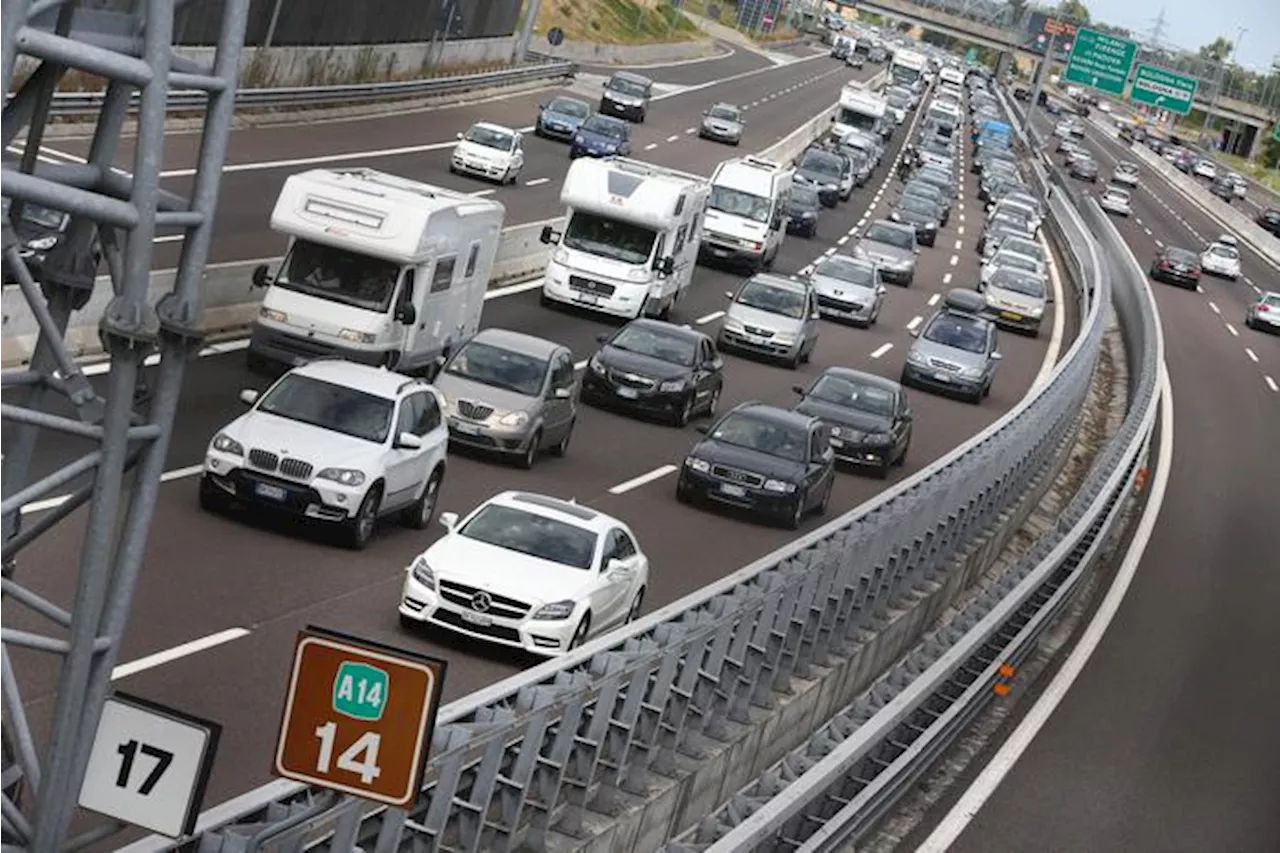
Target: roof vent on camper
{"type": "Point", "coordinates": [623, 184]}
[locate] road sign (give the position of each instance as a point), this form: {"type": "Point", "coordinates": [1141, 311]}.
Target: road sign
{"type": "Point", "coordinates": [1100, 61]}
{"type": "Point", "coordinates": [555, 36]}
{"type": "Point", "coordinates": [971, 56]}
{"type": "Point", "coordinates": [1164, 89]}
{"type": "Point", "coordinates": [149, 765]}
{"type": "Point", "coordinates": [358, 716]}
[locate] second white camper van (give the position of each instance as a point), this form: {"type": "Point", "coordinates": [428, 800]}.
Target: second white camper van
{"type": "Point", "coordinates": [379, 270]}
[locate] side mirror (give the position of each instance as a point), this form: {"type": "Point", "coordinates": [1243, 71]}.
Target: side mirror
{"type": "Point", "coordinates": [1048, 298]}
{"type": "Point", "coordinates": [459, 135]}
{"type": "Point", "coordinates": [562, 393]}
{"type": "Point", "coordinates": [881, 289]}
{"type": "Point", "coordinates": [449, 520]}
{"type": "Point", "coordinates": [602, 338]}
{"type": "Point", "coordinates": [799, 389]}
{"type": "Point", "coordinates": [706, 112]}
{"type": "Point", "coordinates": [542, 106]}
{"type": "Point", "coordinates": [997, 356]}
{"type": "Point", "coordinates": [728, 294]}
{"type": "Point", "coordinates": [407, 314]}
{"type": "Point", "coordinates": [248, 396]}
{"type": "Point", "coordinates": [667, 265]}
{"type": "Point", "coordinates": [548, 235]}
{"type": "Point", "coordinates": [716, 363]}
{"type": "Point", "coordinates": [916, 250]}
{"type": "Point", "coordinates": [705, 429]}
{"type": "Point", "coordinates": [614, 565]}
{"type": "Point", "coordinates": [815, 316]}
{"type": "Point", "coordinates": [408, 441]}
{"type": "Point", "coordinates": [915, 333]}
{"type": "Point", "coordinates": [261, 277]}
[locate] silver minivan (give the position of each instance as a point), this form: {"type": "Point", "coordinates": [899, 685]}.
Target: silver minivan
{"type": "Point", "coordinates": [774, 316]}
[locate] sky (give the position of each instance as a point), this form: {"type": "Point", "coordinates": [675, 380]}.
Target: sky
{"type": "Point", "coordinates": [1192, 23]}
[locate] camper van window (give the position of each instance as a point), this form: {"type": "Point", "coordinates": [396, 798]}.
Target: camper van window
{"type": "Point", "coordinates": [341, 276]}
{"type": "Point", "coordinates": [739, 203]}
{"type": "Point", "coordinates": [500, 368]}
{"type": "Point", "coordinates": [681, 235]}
{"type": "Point", "coordinates": [443, 274]}
{"type": "Point", "coordinates": [473, 257]}
{"type": "Point", "coordinates": [609, 238]}
{"type": "Point", "coordinates": [490, 137]}
{"type": "Point", "coordinates": [857, 120]}
{"type": "Point", "coordinates": [329, 406]}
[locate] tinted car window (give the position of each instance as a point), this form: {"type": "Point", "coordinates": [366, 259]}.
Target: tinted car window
{"type": "Point", "coordinates": [899, 237]}
{"type": "Point", "coordinates": [500, 368]}
{"type": "Point", "coordinates": [849, 270]}
{"type": "Point", "coordinates": [852, 394]}
{"type": "Point", "coordinates": [764, 436]}
{"type": "Point", "coordinates": [655, 343]}
{"type": "Point", "coordinates": [535, 535]}
{"type": "Point", "coordinates": [960, 332]}
{"type": "Point", "coordinates": [775, 300]}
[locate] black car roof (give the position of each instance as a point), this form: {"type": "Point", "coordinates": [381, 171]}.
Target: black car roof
{"type": "Point", "coordinates": [634, 78]}
{"type": "Point", "coordinates": [686, 332]}
{"type": "Point", "coordinates": [773, 414]}
{"type": "Point", "coordinates": [863, 377]}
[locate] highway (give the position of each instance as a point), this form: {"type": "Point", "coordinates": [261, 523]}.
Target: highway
{"type": "Point", "coordinates": [1167, 741]}
{"type": "Point", "coordinates": [220, 599]}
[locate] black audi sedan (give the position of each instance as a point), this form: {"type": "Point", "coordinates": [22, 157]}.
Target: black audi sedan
{"type": "Point", "coordinates": [768, 461]}
{"type": "Point", "coordinates": [655, 368]}
{"type": "Point", "coordinates": [868, 416]}
{"type": "Point", "coordinates": [1177, 266]}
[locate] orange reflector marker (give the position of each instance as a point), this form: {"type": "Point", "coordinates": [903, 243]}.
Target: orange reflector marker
{"type": "Point", "coordinates": [1007, 670]}
{"type": "Point", "coordinates": [1001, 688]}
{"type": "Point", "coordinates": [1140, 479]}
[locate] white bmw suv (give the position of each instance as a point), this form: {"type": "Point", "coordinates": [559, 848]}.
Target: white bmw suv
{"type": "Point", "coordinates": [336, 442]}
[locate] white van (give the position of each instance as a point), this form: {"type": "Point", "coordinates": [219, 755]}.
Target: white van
{"type": "Point", "coordinates": [630, 239]}
{"type": "Point", "coordinates": [380, 270]}
{"type": "Point", "coordinates": [746, 217]}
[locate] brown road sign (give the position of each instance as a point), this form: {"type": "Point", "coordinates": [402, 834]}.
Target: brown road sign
{"type": "Point", "coordinates": [358, 716]}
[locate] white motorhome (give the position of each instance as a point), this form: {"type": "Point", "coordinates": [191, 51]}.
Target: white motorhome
{"type": "Point", "coordinates": [859, 109]}
{"type": "Point", "coordinates": [908, 67]}
{"type": "Point", "coordinates": [630, 239]}
{"type": "Point", "coordinates": [951, 74]}
{"type": "Point", "coordinates": [379, 270]}
{"type": "Point", "coordinates": [746, 217]}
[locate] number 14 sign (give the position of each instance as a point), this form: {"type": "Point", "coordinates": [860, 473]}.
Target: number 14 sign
{"type": "Point", "coordinates": [358, 716]}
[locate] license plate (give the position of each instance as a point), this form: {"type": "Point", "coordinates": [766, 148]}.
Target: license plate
{"type": "Point", "coordinates": [720, 253]}
{"type": "Point", "coordinates": [732, 490]}
{"type": "Point", "coordinates": [1009, 315]}
{"type": "Point", "coordinates": [475, 618]}
{"type": "Point", "coordinates": [628, 393]}
{"type": "Point", "coordinates": [466, 428]}
{"type": "Point", "coordinates": [943, 377]}
{"type": "Point", "coordinates": [266, 490]}
{"type": "Point", "coordinates": [589, 298]}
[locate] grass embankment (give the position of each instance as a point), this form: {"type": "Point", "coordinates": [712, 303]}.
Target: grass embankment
{"type": "Point", "coordinates": [729, 17]}
{"type": "Point", "coordinates": [1269, 178]}
{"type": "Point", "coordinates": [613, 22]}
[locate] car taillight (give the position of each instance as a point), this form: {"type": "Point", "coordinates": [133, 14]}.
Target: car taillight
{"type": "Point", "coordinates": [1165, 265]}
{"type": "Point", "coordinates": [1262, 309]}
{"type": "Point", "coordinates": [1195, 270]}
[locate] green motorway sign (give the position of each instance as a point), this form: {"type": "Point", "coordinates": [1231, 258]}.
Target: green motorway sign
{"type": "Point", "coordinates": [1275, 132]}
{"type": "Point", "coordinates": [1100, 61]}
{"type": "Point", "coordinates": [1167, 90]}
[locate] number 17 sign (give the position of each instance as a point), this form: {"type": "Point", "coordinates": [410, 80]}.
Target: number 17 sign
{"type": "Point", "coordinates": [358, 716]}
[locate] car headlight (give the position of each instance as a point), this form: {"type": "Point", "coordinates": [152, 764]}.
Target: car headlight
{"type": "Point", "coordinates": [672, 385]}
{"type": "Point", "coordinates": [423, 574]}
{"type": "Point", "coordinates": [555, 611]}
{"type": "Point", "coordinates": [971, 372]}
{"type": "Point", "coordinates": [560, 256]}
{"type": "Point", "coordinates": [637, 274]}
{"type": "Point", "coordinates": [733, 325]}
{"type": "Point", "coordinates": [596, 366]}
{"type": "Point", "coordinates": [779, 486]}
{"type": "Point", "coordinates": [831, 187]}
{"type": "Point", "coordinates": [42, 244]}
{"type": "Point", "coordinates": [224, 443]}
{"type": "Point", "coordinates": [702, 466]}
{"type": "Point", "coordinates": [835, 430]}
{"type": "Point", "coordinates": [895, 216]}
{"type": "Point", "coordinates": [931, 226]}
{"type": "Point", "coordinates": [916, 358]}
{"type": "Point", "coordinates": [514, 419]}
{"type": "Point", "coordinates": [877, 438]}
{"type": "Point", "coordinates": [357, 336]}
{"type": "Point", "coordinates": [273, 315]}
{"type": "Point", "coordinates": [785, 338]}
{"type": "Point", "coordinates": [345, 476]}
{"type": "Point", "coordinates": [859, 252]}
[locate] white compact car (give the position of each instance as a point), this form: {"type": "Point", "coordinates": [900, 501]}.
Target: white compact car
{"type": "Point", "coordinates": [490, 151]}
{"type": "Point", "coordinates": [335, 442]}
{"type": "Point", "coordinates": [1116, 200]}
{"type": "Point", "coordinates": [1222, 258]}
{"type": "Point", "coordinates": [1015, 260]}
{"type": "Point", "coordinates": [528, 571]}
{"type": "Point", "coordinates": [1205, 169]}
{"type": "Point", "coordinates": [1125, 173]}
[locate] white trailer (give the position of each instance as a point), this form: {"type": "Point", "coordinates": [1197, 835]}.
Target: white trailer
{"type": "Point", "coordinates": [379, 270]}
{"type": "Point", "coordinates": [908, 68]}
{"type": "Point", "coordinates": [630, 239]}
{"type": "Point", "coordinates": [859, 109]}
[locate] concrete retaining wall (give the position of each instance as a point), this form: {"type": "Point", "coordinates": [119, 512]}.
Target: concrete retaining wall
{"type": "Point", "coordinates": [631, 54]}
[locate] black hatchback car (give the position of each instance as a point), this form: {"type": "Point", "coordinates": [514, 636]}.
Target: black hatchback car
{"type": "Point", "coordinates": [768, 461]}
{"type": "Point", "coordinates": [868, 415]}
{"type": "Point", "coordinates": [1177, 266]}
{"type": "Point", "coordinates": [803, 210]}
{"type": "Point", "coordinates": [1269, 219]}
{"type": "Point", "coordinates": [655, 368]}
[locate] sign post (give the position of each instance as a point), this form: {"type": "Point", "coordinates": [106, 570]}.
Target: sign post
{"type": "Point", "coordinates": [1100, 61]}
{"type": "Point", "coordinates": [1167, 90]}
{"type": "Point", "coordinates": [358, 716]}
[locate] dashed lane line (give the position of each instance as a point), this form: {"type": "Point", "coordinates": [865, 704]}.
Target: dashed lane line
{"type": "Point", "coordinates": [636, 482]}
{"type": "Point", "coordinates": [1232, 329]}
{"type": "Point", "coordinates": [959, 245]}
{"type": "Point", "coordinates": [915, 321]}
{"type": "Point", "coordinates": [125, 670]}
{"type": "Point", "coordinates": [537, 182]}
{"type": "Point", "coordinates": [673, 137]}
{"type": "Point", "coordinates": [955, 259]}
{"type": "Point", "coordinates": [707, 318]}
{"type": "Point", "coordinates": [1253, 356]}
{"type": "Point", "coordinates": [1213, 306]}
{"type": "Point", "coordinates": [933, 300]}
{"type": "Point", "coordinates": [946, 279]}
{"type": "Point", "coordinates": [881, 350]}
{"type": "Point", "coordinates": [1271, 383]}
{"type": "Point", "coordinates": [651, 146]}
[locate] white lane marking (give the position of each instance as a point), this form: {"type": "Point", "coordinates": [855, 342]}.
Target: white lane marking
{"type": "Point", "coordinates": [915, 321]}
{"type": "Point", "coordinates": [689, 130]}
{"type": "Point", "coordinates": [1213, 306]}
{"type": "Point", "coordinates": [1253, 356]}
{"type": "Point", "coordinates": [168, 238]}
{"type": "Point", "coordinates": [973, 799]}
{"type": "Point", "coordinates": [673, 137]}
{"type": "Point", "coordinates": [881, 350]}
{"type": "Point", "coordinates": [933, 300]}
{"type": "Point", "coordinates": [842, 240]}
{"type": "Point", "coordinates": [651, 146]}
{"type": "Point", "coordinates": [1256, 289]}
{"type": "Point", "coordinates": [960, 232]}
{"type": "Point", "coordinates": [955, 259]}
{"type": "Point", "coordinates": [166, 477]}
{"type": "Point", "coordinates": [959, 245]}
{"type": "Point", "coordinates": [946, 278]}
{"type": "Point", "coordinates": [1160, 243]}
{"type": "Point", "coordinates": [125, 670]}
{"type": "Point", "coordinates": [707, 318]}
{"type": "Point", "coordinates": [1271, 383]}
{"type": "Point", "coordinates": [829, 252]}
{"type": "Point", "coordinates": [480, 193]}
{"type": "Point", "coordinates": [537, 181]}
{"type": "Point", "coordinates": [1199, 289]}
{"type": "Point", "coordinates": [1146, 230]}
{"type": "Point", "coordinates": [961, 207]}
{"type": "Point", "coordinates": [637, 482]}
{"type": "Point", "coordinates": [1059, 323]}
{"type": "Point", "coordinates": [1232, 330]}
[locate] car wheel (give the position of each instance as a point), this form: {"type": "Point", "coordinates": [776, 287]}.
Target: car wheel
{"type": "Point", "coordinates": [685, 414]}
{"type": "Point", "coordinates": [409, 623]}
{"type": "Point", "coordinates": [419, 515]}
{"type": "Point", "coordinates": [580, 634]}
{"type": "Point", "coordinates": [797, 512]}
{"type": "Point", "coordinates": [902, 457]}
{"type": "Point", "coordinates": [530, 454]}
{"type": "Point", "coordinates": [210, 500]}
{"type": "Point", "coordinates": [360, 529]}
{"type": "Point", "coordinates": [713, 403]}
{"type": "Point", "coordinates": [826, 496]}
{"type": "Point", "coordinates": [633, 612]}
{"type": "Point", "coordinates": [563, 446]}
{"type": "Point", "coordinates": [683, 494]}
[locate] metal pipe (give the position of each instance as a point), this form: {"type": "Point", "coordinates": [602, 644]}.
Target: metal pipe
{"type": "Point", "coordinates": [327, 801]}
{"type": "Point", "coordinates": [49, 482]}
{"type": "Point", "coordinates": [17, 727]}
{"type": "Point", "coordinates": [526, 31]}
{"type": "Point", "coordinates": [84, 56]}
{"type": "Point", "coordinates": [39, 604]}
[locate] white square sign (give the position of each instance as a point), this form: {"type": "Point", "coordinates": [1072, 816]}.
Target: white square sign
{"type": "Point", "coordinates": [149, 765]}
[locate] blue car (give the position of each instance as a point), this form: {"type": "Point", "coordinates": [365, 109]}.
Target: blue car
{"type": "Point", "coordinates": [601, 136]}
{"type": "Point", "coordinates": [561, 118]}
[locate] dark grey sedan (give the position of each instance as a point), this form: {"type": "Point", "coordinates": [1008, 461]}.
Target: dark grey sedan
{"type": "Point", "coordinates": [723, 123]}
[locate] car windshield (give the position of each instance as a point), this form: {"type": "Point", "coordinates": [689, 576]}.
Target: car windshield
{"type": "Point", "coordinates": [918, 204]}
{"type": "Point", "coordinates": [1270, 299]}
{"type": "Point", "coordinates": [1019, 281]}
{"type": "Point", "coordinates": [804, 198]}
{"type": "Point", "coordinates": [534, 535]}
{"type": "Point", "coordinates": [739, 203]}
{"type": "Point", "coordinates": [898, 101]}
{"type": "Point", "coordinates": [882, 233]}
{"type": "Point", "coordinates": [1126, 167]}
{"type": "Point", "coordinates": [333, 407]}
{"type": "Point", "coordinates": [853, 394]}
{"type": "Point", "coordinates": [1016, 260]}
{"type": "Point", "coordinates": [958, 332]}
{"type": "Point", "coordinates": [36, 214]}
{"type": "Point", "coordinates": [848, 269]}
{"type": "Point", "coordinates": [1224, 251]}
{"type": "Point", "coordinates": [490, 137]}
{"type": "Point", "coordinates": [821, 163]}
{"type": "Point", "coordinates": [771, 298]}
{"type": "Point", "coordinates": [1181, 256]}
{"type": "Point", "coordinates": [569, 107]}
{"type": "Point", "coordinates": [609, 238]}
{"type": "Point", "coordinates": [1117, 195]}
{"type": "Point", "coordinates": [656, 343]}
{"type": "Point", "coordinates": [919, 188]}
{"type": "Point", "coordinates": [338, 275]}
{"type": "Point", "coordinates": [724, 112]}
{"type": "Point", "coordinates": [627, 87]}
{"type": "Point", "coordinates": [605, 127]}
{"type": "Point", "coordinates": [743, 430]}
{"type": "Point", "coordinates": [499, 368]}
{"type": "Point", "coordinates": [1023, 247]}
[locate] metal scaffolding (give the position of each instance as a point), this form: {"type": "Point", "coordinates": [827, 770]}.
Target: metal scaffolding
{"type": "Point", "coordinates": [112, 217]}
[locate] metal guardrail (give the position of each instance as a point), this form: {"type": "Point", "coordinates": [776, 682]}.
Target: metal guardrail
{"type": "Point", "coordinates": [85, 103]}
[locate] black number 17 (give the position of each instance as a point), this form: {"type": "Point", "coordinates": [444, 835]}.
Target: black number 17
{"type": "Point", "coordinates": [128, 751]}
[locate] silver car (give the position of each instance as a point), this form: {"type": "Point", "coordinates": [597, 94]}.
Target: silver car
{"type": "Point", "coordinates": [1017, 299]}
{"type": "Point", "coordinates": [774, 316]}
{"type": "Point", "coordinates": [848, 289]}
{"type": "Point", "coordinates": [892, 248]}
{"type": "Point", "coordinates": [1115, 200]}
{"type": "Point", "coordinates": [1264, 315]}
{"type": "Point", "coordinates": [723, 123]}
{"type": "Point", "coordinates": [510, 393]}
{"type": "Point", "coordinates": [955, 352]}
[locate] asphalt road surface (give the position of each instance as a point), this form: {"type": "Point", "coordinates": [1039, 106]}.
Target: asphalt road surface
{"type": "Point", "coordinates": [208, 575]}
{"type": "Point", "coordinates": [1169, 740]}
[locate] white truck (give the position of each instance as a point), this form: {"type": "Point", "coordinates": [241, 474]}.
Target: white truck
{"type": "Point", "coordinates": [908, 68]}
{"type": "Point", "coordinates": [859, 109]}
{"type": "Point", "coordinates": [630, 239]}
{"type": "Point", "coordinates": [746, 217]}
{"type": "Point", "coordinates": [379, 270]}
